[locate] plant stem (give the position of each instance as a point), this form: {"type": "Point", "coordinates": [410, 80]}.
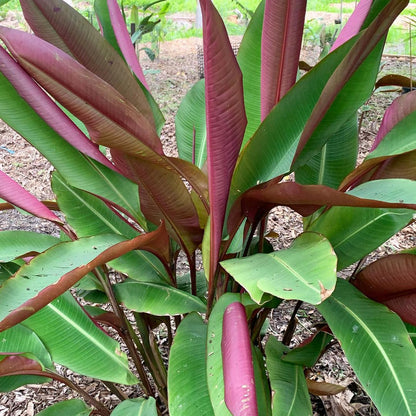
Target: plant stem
{"type": "Point", "coordinates": [125, 329]}
{"type": "Point", "coordinates": [291, 326]}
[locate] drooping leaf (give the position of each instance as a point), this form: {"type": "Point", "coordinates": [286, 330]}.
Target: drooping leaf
{"type": "Point", "coordinates": [306, 199]}
{"type": "Point", "coordinates": [74, 341]}
{"type": "Point", "coordinates": [136, 407]}
{"type": "Point", "coordinates": [157, 299]}
{"type": "Point", "coordinates": [280, 49]}
{"type": "Point", "coordinates": [57, 269]}
{"type": "Point", "coordinates": [355, 232]}
{"type": "Point", "coordinates": [391, 280]}
{"type": "Point", "coordinates": [237, 362]}
{"type": "Point", "coordinates": [21, 340]}
{"type": "Point", "coordinates": [320, 388]}
{"type": "Point", "coordinates": [377, 346]}
{"type": "Point", "coordinates": [187, 379]}
{"type": "Point", "coordinates": [72, 407]}
{"type": "Point", "coordinates": [282, 273]}
{"type": "Point", "coordinates": [225, 118]}
{"type": "Point", "coordinates": [14, 193]}
{"type": "Point", "coordinates": [287, 381]}
{"type": "Point", "coordinates": [15, 244]}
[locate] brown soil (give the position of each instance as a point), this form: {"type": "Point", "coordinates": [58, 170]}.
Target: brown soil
{"type": "Point", "coordinates": [170, 77]}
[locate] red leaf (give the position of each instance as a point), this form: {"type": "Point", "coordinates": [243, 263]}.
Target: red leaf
{"type": "Point", "coordinates": [354, 23]}
{"type": "Point", "coordinates": [305, 199]}
{"type": "Point", "coordinates": [226, 120]}
{"type": "Point", "coordinates": [111, 119]}
{"type": "Point", "coordinates": [357, 55]}
{"type": "Point", "coordinates": [17, 364]}
{"type": "Point", "coordinates": [400, 165]}
{"type": "Point", "coordinates": [12, 192]}
{"type": "Point", "coordinates": [47, 109]}
{"type": "Point", "coordinates": [124, 41]}
{"type": "Point", "coordinates": [239, 385]}
{"type": "Point", "coordinates": [392, 281]}
{"type": "Point", "coordinates": [60, 25]}
{"type": "Point", "coordinates": [281, 44]}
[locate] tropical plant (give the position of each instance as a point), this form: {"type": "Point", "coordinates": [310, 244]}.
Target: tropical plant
{"type": "Point", "coordinates": [130, 214]}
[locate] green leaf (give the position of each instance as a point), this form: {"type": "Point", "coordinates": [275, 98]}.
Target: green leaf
{"type": "Point", "coordinates": [289, 390]}
{"type": "Point", "coordinates": [20, 339]}
{"type": "Point", "coordinates": [7, 270]}
{"type": "Point", "coordinates": [157, 299]}
{"type": "Point", "coordinates": [377, 346]}
{"type": "Point", "coordinates": [76, 168]}
{"type": "Point", "coordinates": [72, 407]}
{"type": "Point", "coordinates": [136, 407]}
{"type": "Point", "coordinates": [305, 271]}
{"type": "Point", "coordinates": [307, 354]}
{"type": "Point", "coordinates": [74, 341]}
{"type": "Point", "coordinates": [187, 379]}
{"type": "Point", "coordinates": [190, 116]}
{"type": "Point", "coordinates": [14, 244]}
{"type": "Point", "coordinates": [337, 158]}
{"type": "Point", "coordinates": [90, 216]}
{"type": "Point", "coordinates": [262, 383]}
{"type": "Point", "coordinates": [213, 351]}
{"type": "Point", "coordinates": [56, 270]}
{"type": "Point", "coordinates": [355, 232]}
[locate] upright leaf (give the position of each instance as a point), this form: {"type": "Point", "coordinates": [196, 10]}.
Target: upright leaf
{"type": "Point", "coordinates": [124, 41]}
{"type": "Point", "coordinates": [240, 390]}
{"type": "Point", "coordinates": [280, 50]}
{"type": "Point", "coordinates": [225, 117]}
{"type": "Point", "coordinates": [59, 24]}
{"type": "Point", "coordinates": [136, 407]}
{"type": "Point", "coordinates": [287, 381]}
{"type": "Point", "coordinates": [187, 379]}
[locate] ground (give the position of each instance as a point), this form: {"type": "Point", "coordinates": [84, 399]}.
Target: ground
{"type": "Point", "coordinates": [169, 78]}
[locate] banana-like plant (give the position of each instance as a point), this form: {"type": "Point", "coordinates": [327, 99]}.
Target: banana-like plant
{"type": "Point", "coordinates": [128, 210]}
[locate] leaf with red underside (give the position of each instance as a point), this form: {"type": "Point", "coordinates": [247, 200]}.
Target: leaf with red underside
{"type": "Point", "coordinates": [110, 118]}
{"type": "Point", "coordinates": [47, 109]}
{"type": "Point", "coordinates": [12, 192]}
{"type": "Point", "coordinates": [60, 25]}
{"type": "Point", "coordinates": [164, 196]}
{"type": "Point", "coordinates": [281, 45]}
{"type": "Point", "coordinates": [354, 24]}
{"type": "Point", "coordinates": [124, 41]}
{"type": "Point", "coordinates": [56, 270]}
{"type": "Point", "coordinates": [15, 364]}
{"type": "Point", "coordinates": [239, 387]}
{"type": "Point", "coordinates": [225, 118]}
{"type": "Point", "coordinates": [391, 280]}
{"type": "Point", "coordinates": [305, 199]}
{"type": "Point", "coordinates": [365, 45]}
{"type": "Point", "coordinates": [394, 150]}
